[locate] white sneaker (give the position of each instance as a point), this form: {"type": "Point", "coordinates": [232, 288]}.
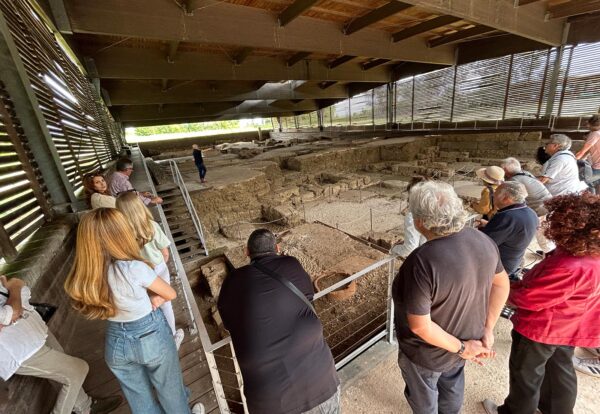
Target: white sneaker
{"type": "Point", "coordinates": [178, 337]}
{"type": "Point", "coordinates": [198, 408]}
{"type": "Point", "coordinates": [590, 366]}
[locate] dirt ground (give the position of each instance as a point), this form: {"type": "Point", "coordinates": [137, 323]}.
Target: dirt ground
{"type": "Point", "coordinates": [380, 389]}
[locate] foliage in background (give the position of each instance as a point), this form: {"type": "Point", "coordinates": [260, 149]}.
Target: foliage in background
{"type": "Point", "coordinates": [178, 128]}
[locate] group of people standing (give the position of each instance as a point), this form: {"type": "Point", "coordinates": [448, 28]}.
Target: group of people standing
{"type": "Point", "coordinates": [449, 293]}
{"type": "Point", "coordinates": [119, 274]}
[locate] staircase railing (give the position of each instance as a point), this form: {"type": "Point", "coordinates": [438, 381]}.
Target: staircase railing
{"type": "Point", "coordinates": [198, 326]}
{"type": "Point", "coordinates": [178, 180]}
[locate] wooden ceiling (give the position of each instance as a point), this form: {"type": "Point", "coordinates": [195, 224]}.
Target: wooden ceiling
{"type": "Point", "coordinates": [166, 61]}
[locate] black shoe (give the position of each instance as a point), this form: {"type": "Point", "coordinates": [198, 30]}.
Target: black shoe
{"type": "Point", "coordinates": [105, 405]}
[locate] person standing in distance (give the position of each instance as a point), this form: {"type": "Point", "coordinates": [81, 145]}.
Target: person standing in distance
{"type": "Point", "coordinates": [199, 161]}
{"type": "Point", "coordinates": [286, 364]}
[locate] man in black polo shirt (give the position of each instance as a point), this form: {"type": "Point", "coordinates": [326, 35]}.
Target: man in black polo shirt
{"type": "Point", "coordinates": [513, 227]}
{"type": "Point", "coordinates": [286, 365]}
{"type": "Point", "coordinates": [448, 296]}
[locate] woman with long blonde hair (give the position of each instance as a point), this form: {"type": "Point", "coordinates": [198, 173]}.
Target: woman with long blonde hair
{"type": "Point", "coordinates": [111, 280]}
{"type": "Point", "coordinates": [154, 247]}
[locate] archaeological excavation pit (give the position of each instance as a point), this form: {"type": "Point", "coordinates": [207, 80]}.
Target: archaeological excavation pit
{"type": "Point", "coordinates": [337, 205]}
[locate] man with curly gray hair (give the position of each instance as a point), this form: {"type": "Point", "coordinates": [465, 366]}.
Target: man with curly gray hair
{"type": "Point", "coordinates": [448, 296]}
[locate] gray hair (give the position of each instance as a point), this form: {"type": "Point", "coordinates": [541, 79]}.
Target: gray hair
{"type": "Point", "coordinates": [512, 190]}
{"type": "Point", "coordinates": [438, 207]}
{"type": "Point", "coordinates": [563, 141]}
{"type": "Point", "coordinates": [511, 165]}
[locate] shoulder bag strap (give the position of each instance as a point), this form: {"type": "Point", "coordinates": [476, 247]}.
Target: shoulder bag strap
{"type": "Point", "coordinates": [287, 284]}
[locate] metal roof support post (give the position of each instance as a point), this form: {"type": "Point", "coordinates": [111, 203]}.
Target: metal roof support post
{"type": "Point", "coordinates": [507, 90]}
{"type": "Point", "coordinates": [554, 81]}
{"type": "Point", "coordinates": [390, 104]}
{"type": "Point", "coordinates": [18, 86]}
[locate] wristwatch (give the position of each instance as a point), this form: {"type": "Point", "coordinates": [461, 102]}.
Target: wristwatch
{"type": "Point", "coordinates": [462, 348]}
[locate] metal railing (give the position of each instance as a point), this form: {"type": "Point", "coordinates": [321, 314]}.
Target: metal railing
{"type": "Point", "coordinates": [198, 326]}
{"type": "Point", "coordinates": [178, 180]}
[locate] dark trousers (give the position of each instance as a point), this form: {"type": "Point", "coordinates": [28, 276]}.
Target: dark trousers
{"type": "Point", "coordinates": [201, 170]}
{"type": "Point", "coordinates": [541, 376]}
{"type": "Point", "coordinates": [431, 392]}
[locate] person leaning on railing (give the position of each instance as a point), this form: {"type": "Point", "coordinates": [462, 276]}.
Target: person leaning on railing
{"type": "Point", "coordinates": [119, 183]}
{"type": "Point", "coordinates": [285, 362]}
{"type": "Point", "coordinates": [557, 308]}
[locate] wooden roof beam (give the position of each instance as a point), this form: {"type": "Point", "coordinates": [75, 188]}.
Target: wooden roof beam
{"type": "Point", "coordinates": [241, 55]}
{"type": "Point", "coordinates": [294, 10]}
{"type": "Point", "coordinates": [132, 63]}
{"type": "Point", "coordinates": [374, 63]}
{"type": "Point", "coordinates": [524, 2]}
{"type": "Point", "coordinates": [528, 22]}
{"type": "Point", "coordinates": [231, 24]}
{"type": "Point", "coordinates": [424, 27]}
{"type": "Point", "coordinates": [374, 16]}
{"type": "Point", "coordinates": [172, 51]}
{"type": "Point", "coordinates": [340, 61]}
{"type": "Point", "coordinates": [132, 92]}
{"type": "Point", "coordinates": [297, 57]}
{"type": "Point", "coordinates": [460, 36]}
{"type": "Point", "coordinates": [573, 8]}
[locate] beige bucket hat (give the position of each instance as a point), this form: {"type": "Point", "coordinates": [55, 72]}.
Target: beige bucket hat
{"type": "Point", "coordinates": [493, 175]}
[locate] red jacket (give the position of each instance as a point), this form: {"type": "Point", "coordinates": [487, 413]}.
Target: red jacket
{"type": "Point", "coordinates": [558, 301]}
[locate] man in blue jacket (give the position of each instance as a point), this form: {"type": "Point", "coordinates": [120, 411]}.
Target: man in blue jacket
{"type": "Point", "coordinates": [514, 225]}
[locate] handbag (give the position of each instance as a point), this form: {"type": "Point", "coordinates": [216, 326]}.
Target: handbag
{"type": "Point", "coordinates": [287, 284]}
{"type": "Point", "coordinates": [45, 310]}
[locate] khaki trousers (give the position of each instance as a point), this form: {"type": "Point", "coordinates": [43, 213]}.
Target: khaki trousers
{"type": "Point", "coordinates": [52, 363]}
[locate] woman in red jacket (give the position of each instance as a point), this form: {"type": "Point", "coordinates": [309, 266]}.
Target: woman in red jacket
{"type": "Point", "coordinates": [558, 308]}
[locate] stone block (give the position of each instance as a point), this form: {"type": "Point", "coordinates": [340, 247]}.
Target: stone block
{"type": "Point", "coordinates": [282, 215]}
{"type": "Point", "coordinates": [214, 273]}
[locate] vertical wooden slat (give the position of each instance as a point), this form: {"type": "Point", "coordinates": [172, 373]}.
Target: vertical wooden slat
{"type": "Point", "coordinates": [15, 139]}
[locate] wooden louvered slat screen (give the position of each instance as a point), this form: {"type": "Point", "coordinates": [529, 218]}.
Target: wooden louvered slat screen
{"type": "Point", "coordinates": [404, 100]}
{"type": "Point", "coordinates": [481, 89]}
{"type": "Point", "coordinates": [79, 125]}
{"type": "Point", "coordinates": [380, 102]}
{"type": "Point", "coordinates": [340, 113]}
{"type": "Point", "coordinates": [433, 95]}
{"type": "Point", "coordinates": [581, 95]}
{"type": "Point", "coordinates": [528, 80]}
{"type": "Point", "coordinates": [361, 109]}
{"type": "Point", "coordinates": [24, 203]}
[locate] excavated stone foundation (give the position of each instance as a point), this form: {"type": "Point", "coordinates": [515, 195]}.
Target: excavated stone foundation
{"type": "Point", "coordinates": [337, 205]}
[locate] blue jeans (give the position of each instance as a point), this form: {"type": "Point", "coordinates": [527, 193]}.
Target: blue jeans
{"type": "Point", "coordinates": [201, 170]}
{"type": "Point", "coordinates": [142, 355]}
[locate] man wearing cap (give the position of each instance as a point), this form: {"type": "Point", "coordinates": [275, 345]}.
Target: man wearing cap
{"type": "Point", "coordinates": [492, 177]}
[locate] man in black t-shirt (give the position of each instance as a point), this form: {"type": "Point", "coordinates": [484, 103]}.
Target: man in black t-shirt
{"type": "Point", "coordinates": [448, 296]}
{"type": "Point", "coordinates": [286, 364]}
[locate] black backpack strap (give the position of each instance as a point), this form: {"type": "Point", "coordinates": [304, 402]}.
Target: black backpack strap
{"type": "Point", "coordinates": [287, 284]}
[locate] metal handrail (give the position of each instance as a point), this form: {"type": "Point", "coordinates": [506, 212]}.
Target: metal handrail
{"type": "Point", "coordinates": [198, 323]}
{"type": "Point", "coordinates": [178, 179]}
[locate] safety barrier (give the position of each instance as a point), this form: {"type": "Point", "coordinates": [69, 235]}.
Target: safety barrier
{"type": "Point", "coordinates": [217, 371]}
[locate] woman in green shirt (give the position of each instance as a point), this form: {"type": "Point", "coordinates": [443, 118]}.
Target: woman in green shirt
{"type": "Point", "coordinates": [154, 246]}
